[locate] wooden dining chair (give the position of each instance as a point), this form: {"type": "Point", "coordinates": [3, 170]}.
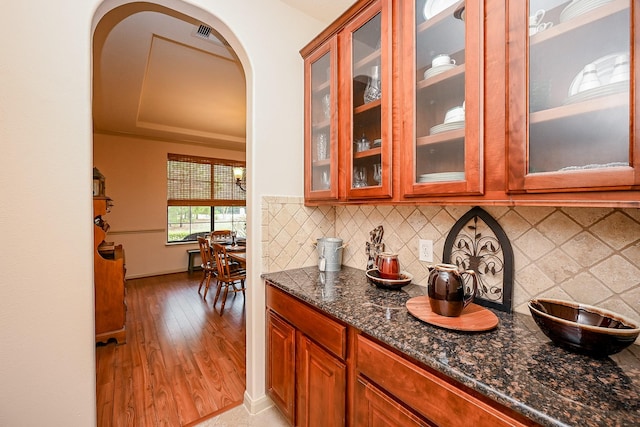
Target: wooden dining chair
{"type": "Point", "coordinates": [229, 275]}
{"type": "Point", "coordinates": [220, 235]}
{"type": "Point", "coordinates": [209, 266]}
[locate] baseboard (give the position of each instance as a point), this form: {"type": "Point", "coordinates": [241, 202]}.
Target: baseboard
{"type": "Point", "coordinates": [258, 405]}
{"type": "Point", "coordinates": [159, 273]}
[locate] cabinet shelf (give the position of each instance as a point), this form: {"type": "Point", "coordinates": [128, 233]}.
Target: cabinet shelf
{"type": "Point", "coordinates": [367, 107]}
{"type": "Point", "coordinates": [367, 61]}
{"type": "Point", "coordinates": [321, 163]}
{"type": "Point", "coordinates": [439, 19]}
{"type": "Point", "coordinates": [455, 75]}
{"type": "Point", "coordinates": [323, 124]}
{"type": "Point", "coordinates": [610, 102]}
{"type": "Point", "coordinates": [322, 87]}
{"type": "Point", "coordinates": [579, 23]}
{"type": "Point", "coordinates": [450, 136]}
{"type": "Point", "coordinates": [367, 153]}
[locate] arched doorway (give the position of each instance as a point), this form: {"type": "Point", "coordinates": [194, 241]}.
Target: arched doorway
{"type": "Point", "coordinates": [135, 115]}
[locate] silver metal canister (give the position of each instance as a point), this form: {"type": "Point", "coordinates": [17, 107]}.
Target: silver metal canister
{"type": "Point", "coordinates": [329, 253]}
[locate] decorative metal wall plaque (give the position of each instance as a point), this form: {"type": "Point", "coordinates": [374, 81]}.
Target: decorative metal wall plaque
{"type": "Point", "coordinates": [477, 242]}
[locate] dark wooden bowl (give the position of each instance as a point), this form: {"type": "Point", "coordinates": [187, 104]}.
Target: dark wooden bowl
{"type": "Point", "coordinates": [583, 328]}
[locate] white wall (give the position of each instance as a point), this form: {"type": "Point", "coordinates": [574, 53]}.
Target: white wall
{"type": "Point", "coordinates": [47, 372]}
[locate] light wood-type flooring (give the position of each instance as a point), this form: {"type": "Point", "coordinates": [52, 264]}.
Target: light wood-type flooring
{"type": "Point", "coordinates": [182, 362]}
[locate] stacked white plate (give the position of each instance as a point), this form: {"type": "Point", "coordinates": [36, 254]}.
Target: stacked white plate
{"type": "Point", "coordinates": [595, 166]}
{"type": "Point", "coordinates": [597, 92]}
{"type": "Point", "coordinates": [580, 7]}
{"type": "Point", "coordinates": [604, 70]}
{"type": "Point", "coordinates": [441, 176]}
{"type": "Point", "coordinates": [445, 127]}
{"type": "Point", "coordinates": [434, 71]}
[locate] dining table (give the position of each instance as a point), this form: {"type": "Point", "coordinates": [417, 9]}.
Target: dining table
{"type": "Point", "coordinates": [240, 256]}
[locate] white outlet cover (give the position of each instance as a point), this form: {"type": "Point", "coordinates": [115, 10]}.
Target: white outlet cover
{"type": "Point", "coordinates": [425, 250]}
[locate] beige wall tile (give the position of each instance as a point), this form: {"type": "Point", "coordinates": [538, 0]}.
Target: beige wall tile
{"type": "Point", "coordinates": [589, 255]}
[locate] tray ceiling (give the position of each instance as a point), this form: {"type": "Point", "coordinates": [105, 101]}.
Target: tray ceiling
{"type": "Point", "coordinates": [157, 77]}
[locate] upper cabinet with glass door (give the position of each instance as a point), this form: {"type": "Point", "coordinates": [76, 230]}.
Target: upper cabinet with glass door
{"type": "Point", "coordinates": [442, 102]}
{"type": "Point", "coordinates": [571, 119]}
{"type": "Point", "coordinates": [365, 45]}
{"type": "Point", "coordinates": [321, 119]}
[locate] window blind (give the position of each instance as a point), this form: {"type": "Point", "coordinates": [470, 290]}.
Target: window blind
{"type": "Point", "coordinates": [202, 181]}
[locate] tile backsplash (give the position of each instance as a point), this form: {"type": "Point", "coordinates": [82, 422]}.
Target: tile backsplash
{"type": "Point", "coordinates": [590, 255]}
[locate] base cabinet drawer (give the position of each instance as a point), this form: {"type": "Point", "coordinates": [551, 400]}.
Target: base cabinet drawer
{"type": "Point", "coordinates": [374, 408]}
{"type": "Point", "coordinates": [437, 400]}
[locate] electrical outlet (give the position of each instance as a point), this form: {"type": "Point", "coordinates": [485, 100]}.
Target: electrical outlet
{"type": "Point", "coordinates": [425, 250]}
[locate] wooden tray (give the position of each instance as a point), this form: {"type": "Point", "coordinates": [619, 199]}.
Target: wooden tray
{"type": "Point", "coordinates": [474, 318]}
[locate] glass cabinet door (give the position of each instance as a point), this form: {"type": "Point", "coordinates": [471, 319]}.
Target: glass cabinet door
{"type": "Point", "coordinates": [443, 97]}
{"type": "Point", "coordinates": [569, 81]}
{"type": "Point", "coordinates": [366, 55]}
{"type": "Point", "coordinates": [321, 118]}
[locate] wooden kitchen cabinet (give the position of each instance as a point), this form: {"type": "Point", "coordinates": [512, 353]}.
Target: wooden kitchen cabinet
{"type": "Point", "coordinates": [530, 137]}
{"type": "Point", "coordinates": [281, 363]}
{"type": "Point", "coordinates": [321, 123]}
{"type": "Point", "coordinates": [321, 381]}
{"type": "Point", "coordinates": [441, 62]}
{"type": "Point", "coordinates": [348, 101]}
{"type": "Point", "coordinates": [306, 362]}
{"type": "Point", "coordinates": [375, 408]}
{"type": "Point", "coordinates": [572, 121]}
{"type": "Point", "coordinates": [392, 388]}
{"type": "Point", "coordinates": [366, 133]}
{"type": "Point", "coordinates": [109, 279]}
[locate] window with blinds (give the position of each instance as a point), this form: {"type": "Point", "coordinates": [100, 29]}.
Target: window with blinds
{"type": "Point", "coordinates": [202, 181]}
{"type": "Point", "coordinates": [202, 196]}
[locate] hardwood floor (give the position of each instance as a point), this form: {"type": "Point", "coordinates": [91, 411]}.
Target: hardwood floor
{"type": "Point", "coordinates": [182, 362]}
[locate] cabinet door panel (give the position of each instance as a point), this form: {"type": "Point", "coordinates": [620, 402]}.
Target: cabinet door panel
{"type": "Point", "coordinates": [442, 99]}
{"type": "Point", "coordinates": [431, 396]}
{"type": "Point", "coordinates": [366, 102]}
{"type": "Point", "coordinates": [321, 123]}
{"type": "Point", "coordinates": [375, 409]}
{"type": "Point", "coordinates": [281, 364]}
{"type": "Point", "coordinates": [571, 116]}
{"type": "Point", "coordinates": [321, 386]}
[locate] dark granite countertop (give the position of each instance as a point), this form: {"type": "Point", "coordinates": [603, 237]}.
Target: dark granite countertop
{"type": "Point", "coordinates": [514, 364]}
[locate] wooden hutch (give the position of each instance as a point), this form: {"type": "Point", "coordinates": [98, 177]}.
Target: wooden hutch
{"type": "Point", "coordinates": [109, 273]}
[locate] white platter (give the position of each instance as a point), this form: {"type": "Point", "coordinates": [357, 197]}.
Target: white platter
{"type": "Point", "coordinates": [441, 176]}
{"type": "Point", "coordinates": [434, 7]}
{"type": "Point", "coordinates": [596, 166]}
{"type": "Point", "coordinates": [597, 92]}
{"type": "Point", "coordinates": [434, 71]}
{"type": "Point", "coordinates": [445, 127]}
{"type": "Point", "coordinates": [604, 70]}
{"type": "Point", "coordinates": [580, 7]}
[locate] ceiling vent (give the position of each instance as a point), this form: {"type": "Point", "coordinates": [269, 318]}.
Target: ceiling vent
{"type": "Point", "coordinates": [203, 31]}
{"type": "Point", "coordinates": [207, 33]}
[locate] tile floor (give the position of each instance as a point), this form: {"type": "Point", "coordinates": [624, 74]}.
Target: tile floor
{"type": "Point", "coordinates": [240, 417]}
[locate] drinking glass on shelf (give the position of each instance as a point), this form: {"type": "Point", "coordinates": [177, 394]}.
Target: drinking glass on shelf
{"type": "Point", "coordinates": [359, 177]}
{"type": "Point", "coordinates": [325, 179]}
{"type": "Point", "coordinates": [377, 173]}
{"type": "Point", "coordinates": [373, 91]}
{"type": "Point", "coordinates": [322, 145]}
{"type": "Point", "coordinates": [326, 106]}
